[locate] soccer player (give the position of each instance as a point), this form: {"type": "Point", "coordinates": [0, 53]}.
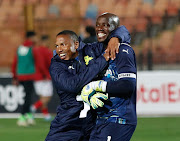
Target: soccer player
{"type": "Point", "coordinates": [23, 70]}
{"type": "Point", "coordinates": [117, 119]}
{"type": "Point", "coordinates": [69, 74]}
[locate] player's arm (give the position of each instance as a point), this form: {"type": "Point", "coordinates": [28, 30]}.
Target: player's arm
{"type": "Point", "coordinates": [126, 68]}
{"type": "Point", "coordinates": [73, 83]}
{"type": "Point", "coordinates": [122, 34]}
{"type": "Point", "coordinates": [119, 35]}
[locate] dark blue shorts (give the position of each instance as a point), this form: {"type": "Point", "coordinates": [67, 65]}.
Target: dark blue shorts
{"type": "Point", "coordinates": [112, 132]}
{"type": "Point", "coordinates": [68, 136]}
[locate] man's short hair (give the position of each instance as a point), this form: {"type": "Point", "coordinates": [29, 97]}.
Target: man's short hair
{"type": "Point", "coordinates": [72, 34]}
{"type": "Point", "coordinates": [30, 34]}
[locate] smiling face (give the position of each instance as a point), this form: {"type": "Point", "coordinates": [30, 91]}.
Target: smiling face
{"type": "Point", "coordinates": [102, 28]}
{"type": "Point", "coordinates": [65, 47]}
{"type": "Point", "coordinates": [106, 23]}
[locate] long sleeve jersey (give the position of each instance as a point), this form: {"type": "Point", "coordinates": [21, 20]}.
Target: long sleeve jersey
{"type": "Point", "coordinates": [69, 77]}
{"type": "Point", "coordinates": [120, 75]}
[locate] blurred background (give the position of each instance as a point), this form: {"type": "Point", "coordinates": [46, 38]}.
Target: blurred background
{"type": "Point", "coordinates": [154, 26]}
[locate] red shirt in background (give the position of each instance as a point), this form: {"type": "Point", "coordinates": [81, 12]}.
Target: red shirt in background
{"type": "Point", "coordinates": [43, 57]}
{"type": "Point", "coordinates": [25, 77]}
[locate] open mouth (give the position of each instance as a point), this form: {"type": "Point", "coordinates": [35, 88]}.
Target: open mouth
{"type": "Point", "coordinates": [62, 56]}
{"type": "Point", "coordinates": [101, 35]}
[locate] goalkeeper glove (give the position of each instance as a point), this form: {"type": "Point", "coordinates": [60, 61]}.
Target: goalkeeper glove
{"type": "Point", "coordinates": [90, 89]}
{"type": "Point", "coordinates": [97, 100]}
{"type": "Point", "coordinates": [99, 86]}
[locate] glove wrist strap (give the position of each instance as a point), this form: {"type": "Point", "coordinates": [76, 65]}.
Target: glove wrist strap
{"type": "Point", "coordinates": [104, 84]}
{"type": "Point", "coordinates": [90, 95]}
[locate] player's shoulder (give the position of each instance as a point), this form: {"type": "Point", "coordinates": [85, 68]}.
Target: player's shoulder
{"type": "Point", "coordinates": [56, 62]}
{"type": "Point", "coordinates": [94, 49]}
{"type": "Point", "coordinates": [92, 46]}
{"type": "Point", "coordinates": [125, 45]}
{"type": "Point", "coordinates": [126, 48]}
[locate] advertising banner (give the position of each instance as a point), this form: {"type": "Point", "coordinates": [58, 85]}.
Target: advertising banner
{"type": "Point", "coordinates": [158, 93]}
{"type": "Point", "coordinates": [12, 97]}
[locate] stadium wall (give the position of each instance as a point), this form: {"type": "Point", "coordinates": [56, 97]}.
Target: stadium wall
{"type": "Point", "coordinates": [158, 93]}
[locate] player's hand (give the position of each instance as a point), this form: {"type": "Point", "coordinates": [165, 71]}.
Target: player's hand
{"type": "Point", "coordinates": [86, 93]}
{"type": "Point", "coordinates": [104, 109]}
{"type": "Point", "coordinates": [99, 86]}
{"type": "Point", "coordinates": [90, 89]}
{"type": "Point", "coordinates": [97, 99]}
{"type": "Point", "coordinates": [113, 47]}
{"type": "Point", "coordinates": [106, 56]}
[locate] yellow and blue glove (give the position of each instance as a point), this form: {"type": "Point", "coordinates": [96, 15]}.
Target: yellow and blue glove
{"type": "Point", "coordinates": [99, 86]}
{"type": "Point", "coordinates": [97, 99]}
{"type": "Point", "coordinates": [89, 91]}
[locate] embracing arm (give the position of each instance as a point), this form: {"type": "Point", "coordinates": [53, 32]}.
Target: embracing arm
{"type": "Point", "coordinates": [122, 34]}
{"type": "Point", "coordinates": [73, 83]}
{"type": "Point", "coordinates": [119, 35]}
{"type": "Point", "coordinates": [126, 69]}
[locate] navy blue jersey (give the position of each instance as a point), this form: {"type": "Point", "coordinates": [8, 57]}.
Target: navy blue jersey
{"type": "Point", "coordinates": [121, 87]}
{"type": "Point", "coordinates": [69, 77]}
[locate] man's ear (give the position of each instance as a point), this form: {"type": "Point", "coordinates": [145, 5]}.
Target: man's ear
{"type": "Point", "coordinates": [76, 44]}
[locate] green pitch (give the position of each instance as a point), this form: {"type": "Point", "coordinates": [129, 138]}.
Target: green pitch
{"type": "Point", "coordinates": [157, 129]}
{"type": "Point", "coordinates": [9, 131]}
{"type": "Point", "coordinates": [148, 129]}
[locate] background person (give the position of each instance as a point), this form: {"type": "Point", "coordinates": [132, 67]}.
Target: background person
{"type": "Point", "coordinates": [23, 70]}
{"type": "Point", "coordinates": [90, 35]}
{"type": "Point", "coordinates": [43, 84]}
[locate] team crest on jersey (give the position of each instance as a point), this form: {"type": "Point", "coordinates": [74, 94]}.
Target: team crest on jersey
{"type": "Point", "coordinates": [111, 73]}
{"type": "Point", "coordinates": [87, 59]}
{"type": "Point", "coordinates": [71, 67]}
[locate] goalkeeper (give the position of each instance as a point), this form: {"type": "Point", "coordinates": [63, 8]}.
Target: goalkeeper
{"type": "Point", "coordinates": [69, 74]}
{"type": "Point", "coordinates": [114, 96]}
